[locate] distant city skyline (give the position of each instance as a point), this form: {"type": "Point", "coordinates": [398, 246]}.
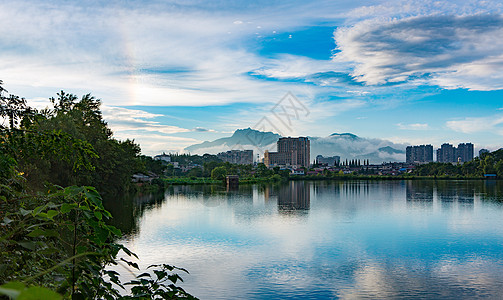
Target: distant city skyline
{"type": "Point", "coordinates": [173, 74]}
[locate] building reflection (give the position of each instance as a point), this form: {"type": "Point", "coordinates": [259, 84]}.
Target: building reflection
{"type": "Point", "coordinates": [419, 194]}
{"type": "Point", "coordinates": [461, 192]}
{"type": "Point", "coordinates": [294, 196]}
{"type": "Point", "coordinates": [419, 191]}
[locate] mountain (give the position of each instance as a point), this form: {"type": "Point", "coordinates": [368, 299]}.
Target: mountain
{"type": "Point", "coordinates": [390, 150]}
{"type": "Point", "coordinates": [345, 145]}
{"type": "Point", "coordinates": [241, 139]}
{"type": "Point", "coordinates": [344, 135]}
{"type": "Point", "coordinates": [351, 146]}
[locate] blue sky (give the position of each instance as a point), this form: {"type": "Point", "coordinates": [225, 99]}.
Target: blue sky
{"type": "Point", "coordinates": [175, 73]}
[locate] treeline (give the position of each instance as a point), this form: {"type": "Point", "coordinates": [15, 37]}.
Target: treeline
{"type": "Point", "coordinates": [488, 163]}
{"type": "Point", "coordinates": [55, 237]}
{"type": "Point", "coordinates": [66, 144]}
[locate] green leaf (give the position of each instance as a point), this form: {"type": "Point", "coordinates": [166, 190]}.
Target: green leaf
{"type": "Point", "coordinates": [11, 289]}
{"type": "Point", "coordinates": [6, 221]}
{"type": "Point", "coordinates": [160, 274]}
{"type": "Point", "coordinates": [42, 215]}
{"type": "Point", "coordinates": [143, 275]}
{"type": "Point", "coordinates": [28, 245]}
{"type": "Point", "coordinates": [37, 210]}
{"type": "Point", "coordinates": [93, 196]}
{"type": "Point", "coordinates": [115, 230]}
{"type": "Point", "coordinates": [52, 213]}
{"type": "Point", "coordinates": [24, 212]}
{"type": "Point", "coordinates": [36, 293]}
{"type": "Point", "coordinates": [11, 293]}
{"type": "Point", "coordinates": [98, 215]}
{"type": "Point", "coordinates": [67, 207]}
{"type": "Point", "coordinates": [36, 233]}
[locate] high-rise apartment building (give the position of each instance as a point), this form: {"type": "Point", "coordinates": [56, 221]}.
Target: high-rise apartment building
{"type": "Point", "coordinates": [464, 152]}
{"type": "Point", "coordinates": [446, 153]}
{"type": "Point", "coordinates": [449, 153]}
{"type": "Point", "coordinates": [293, 152]}
{"type": "Point", "coordinates": [419, 154]}
{"type": "Point", "coordinates": [239, 157]}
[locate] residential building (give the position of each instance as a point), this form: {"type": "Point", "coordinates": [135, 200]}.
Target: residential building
{"type": "Point", "coordinates": [464, 152]}
{"type": "Point", "coordinates": [163, 157]}
{"type": "Point", "coordinates": [293, 152]}
{"type": "Point", "coordinates": [449, 153]}
{"type": "Point", "coordinates": [329, 161]}
{"type": "Point", "coordinates": [240, 157]}
{"type": "Point", "coordinates": [419, 154]}
{"type": "Point", "coordinates": [446, 153]}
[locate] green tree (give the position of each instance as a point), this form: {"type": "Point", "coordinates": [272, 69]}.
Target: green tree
{"type": "Point", "coordinates": [218, 173]}
{"type": "Point", "coordinates": [114, 161]}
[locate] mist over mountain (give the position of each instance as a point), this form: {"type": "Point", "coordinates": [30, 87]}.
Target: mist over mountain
{"type": "Point", "coordinates": [241, 139]}
{"type": "Point", "coordinates": [345, 145]}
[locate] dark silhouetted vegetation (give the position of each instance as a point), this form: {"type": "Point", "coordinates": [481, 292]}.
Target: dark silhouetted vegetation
{"type": "Point", "coordinates": [55, 237]}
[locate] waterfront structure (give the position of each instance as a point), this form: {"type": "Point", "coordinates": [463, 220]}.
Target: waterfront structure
{"type": "Point", "coordinates": [449, 153]}
{"type": "Point", "coordinates": [240, 157]}
{"type": "Point", "coordinates": [292, 152]}
{"type": "Point", "coordinates": [419, 154]}
{"type": "Point", "coordinates": [329, 161]}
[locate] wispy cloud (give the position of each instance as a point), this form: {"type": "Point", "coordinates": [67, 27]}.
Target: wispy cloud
{"type": "Point", "coordinates": [122, 119]}
{"type": "Point", "coordinates": [452, 51]}
{"type": "Point", "coordinates": [492, 124]}
{"type": "Point", "coordinates": [414, 126]}
{"type": "Point", "coordinates": [201, 129]}
{"type": "Point", "coordinates": [151, 54]}
{"type": "Point", "coordinates": [141, 126]}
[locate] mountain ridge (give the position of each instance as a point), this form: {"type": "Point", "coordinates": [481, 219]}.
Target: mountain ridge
{"type": "Point", "coordinates": [345, 145]}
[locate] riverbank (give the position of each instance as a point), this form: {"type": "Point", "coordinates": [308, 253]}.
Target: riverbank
{"type": "Point", "coordinates": [202, 180]}
{"type": "Point", "coordinates": [253, 180]}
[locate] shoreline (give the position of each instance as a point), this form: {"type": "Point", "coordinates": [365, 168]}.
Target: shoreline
{"type": "Point", "coordinates": [203, 181]}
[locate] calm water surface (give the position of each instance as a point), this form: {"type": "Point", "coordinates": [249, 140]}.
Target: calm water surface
{"type": "Point", "coordinates": [323, 240]}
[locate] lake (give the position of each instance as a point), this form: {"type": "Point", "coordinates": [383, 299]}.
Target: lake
{"type": "Point", "coordinates": [324, 239]}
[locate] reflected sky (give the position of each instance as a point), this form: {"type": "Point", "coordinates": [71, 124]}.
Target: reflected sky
{"type": "Point", "coordinates": [319, 240]}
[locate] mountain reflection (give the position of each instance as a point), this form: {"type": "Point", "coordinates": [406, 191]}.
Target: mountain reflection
{"type": "Point", "coordinates": [294, 197]}
{"type": "Point", "coordinates": [397, 239]}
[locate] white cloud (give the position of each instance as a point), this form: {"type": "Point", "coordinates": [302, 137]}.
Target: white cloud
{"type": "Point", "coordinates": [140, 126]}
{"type": "Point", "coordinates": [150, 54]}
{"type": "Point", "coordinates": [122, 119]}
{"type": "Point", "coordinates": [449, 50]}
{"type": "Point", "coordinates": [492, 124]}
{"type": "Point", "coordinates": [289, 66]}
{"type": "Point", "coordinates": [414, 126]}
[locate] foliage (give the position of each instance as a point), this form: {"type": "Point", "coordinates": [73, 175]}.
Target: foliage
{"type": "Point", "coordinates": [69, 144]}
{"type": "Point", "coordinates": [489, 163]}
{"type": "Point", "coordinates": [160, 285]}
{"type": "Point", "coordinates": [65, 245]}
{"type": "Point", "coordinates": [148, 164]}
{"type": "Point", "coordinates": [218, 173]}
{"type": "Point", "coordinates": [58, 241]}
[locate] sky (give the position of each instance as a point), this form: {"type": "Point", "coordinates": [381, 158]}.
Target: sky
{"type": "Point", "coordinates": [175, 73]}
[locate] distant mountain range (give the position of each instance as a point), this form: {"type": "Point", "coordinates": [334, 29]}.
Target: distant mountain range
{"type": "Point", "coordinates": [345, 145]}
